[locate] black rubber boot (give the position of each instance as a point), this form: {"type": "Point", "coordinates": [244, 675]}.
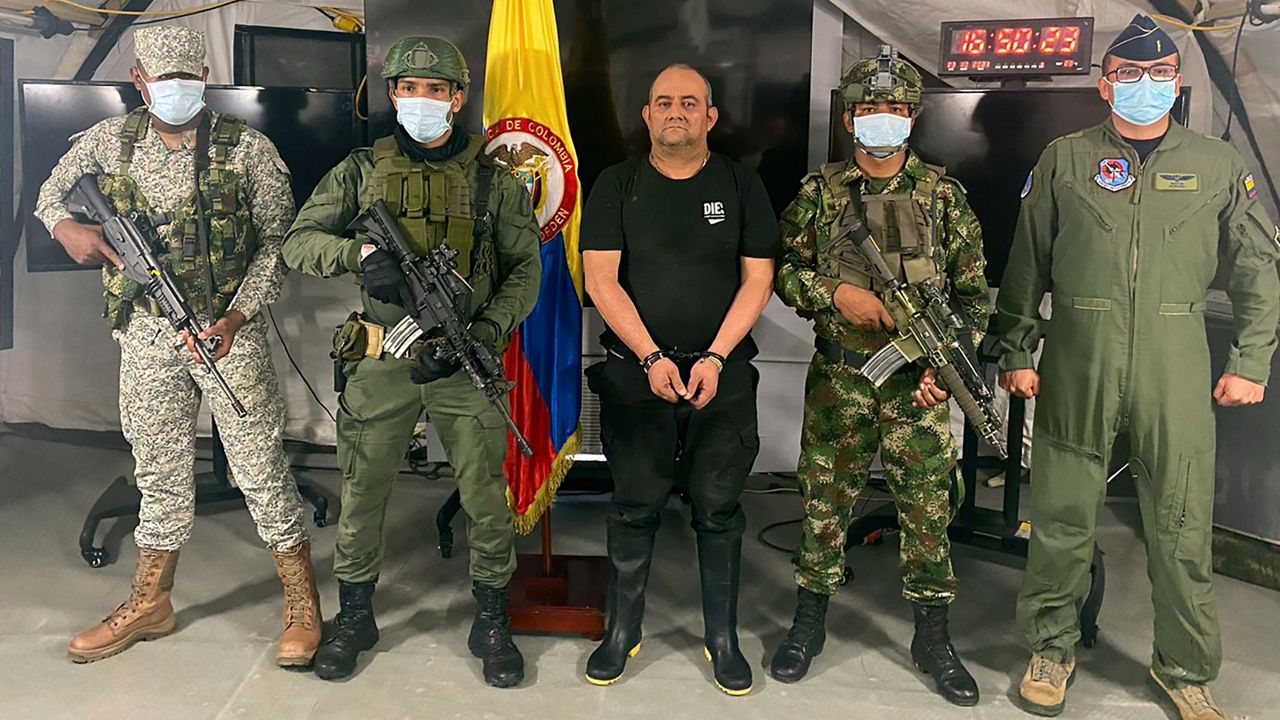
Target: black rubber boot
{"type": "Point", "coordinates": [490, 638]}
{"type": "Point", "coordinates": [354, 631]}
{"type": "Point", "coordinates": [630, 556]}
{"type": "Point", "coordinates": [805, 639]}
{"type": "Point", "coordinates": [719, 563]}
{"type": "Point", "coordinates": [933, 654]}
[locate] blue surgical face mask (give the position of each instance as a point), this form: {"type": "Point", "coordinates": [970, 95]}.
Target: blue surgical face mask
{"type": "Point", "coordinates": [423, 118]}
{"type": "Point", "coordinates": [1143, 102]}
{"type": "Point", "coordinates": [176, 101]}
{"type": "Point", "coordinates": [881, 134]}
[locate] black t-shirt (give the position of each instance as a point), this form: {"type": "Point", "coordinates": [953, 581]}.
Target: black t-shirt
{"type": "Point", "coordinates": [1144, 147]}
{"type": "Point", "coordinates": [681, 243]}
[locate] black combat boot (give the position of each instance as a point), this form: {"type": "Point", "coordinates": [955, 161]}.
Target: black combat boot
{"type": "Point", "coordinates": [932, 652]}
{"type": "Point", "coordinates": [490, 638]}
{"type": "Point", "coordinates": [719, 563]}
{"type": "Point", "coordinates": [354, 631]}
{"type": "Point", "coordinates": [805, 639]}
{"type": "Point", "coordinates": [630, 556]}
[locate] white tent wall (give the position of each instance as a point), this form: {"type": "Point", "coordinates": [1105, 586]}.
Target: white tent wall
{"type": "Point", "coordinates": [63, 368]}
{"type": "Point", "coordinates": [1258, 78]}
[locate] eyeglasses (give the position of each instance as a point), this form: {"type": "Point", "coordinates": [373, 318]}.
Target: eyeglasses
{"type": "Point", "coordinates": [1134, 73]}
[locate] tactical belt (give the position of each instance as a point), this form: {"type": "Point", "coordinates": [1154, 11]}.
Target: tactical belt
{"type": "Point", "coordinates": [836, 354]}
{"type": "Point", "coordinates": [369, 340]}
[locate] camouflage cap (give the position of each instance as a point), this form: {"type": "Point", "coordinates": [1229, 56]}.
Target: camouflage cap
{"type": "Point", "coordinates": [885, 78]}
{"type": "Point", "coordinates": [426, 56]}
{"type": "Point", "coordinates": [166, 49]}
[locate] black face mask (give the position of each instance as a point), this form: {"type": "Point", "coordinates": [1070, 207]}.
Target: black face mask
{"type": "Point", "coordinates": [456, 143]}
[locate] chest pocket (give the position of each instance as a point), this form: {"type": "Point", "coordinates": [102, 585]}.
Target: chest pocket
{"type": "Point", "coordinates": [209, 281]}
{"type": "Point", "coordinates": [902, 227]}
{"type": "Point", "coordinates": [437, 205]}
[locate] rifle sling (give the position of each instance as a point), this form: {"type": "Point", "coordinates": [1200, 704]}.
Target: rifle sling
{"type": "Point", "coordinates": [200, 165]}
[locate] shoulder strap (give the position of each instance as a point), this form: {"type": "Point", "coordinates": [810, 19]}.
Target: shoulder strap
{"type": "Point", "coordinates": [225, 136]}
{"type": "Point", "coordinates": [201, 165]}
{"type": "Point", "coordinates": [384, 148]}
{"type": "Point", "coordinates": [480, 200]}
{"type": "Point", "coordinates": [833, 174]}
{"type": "Point", "coordinates": [930, 182]}
{"type": "Point", "coordinates": [132, 131]}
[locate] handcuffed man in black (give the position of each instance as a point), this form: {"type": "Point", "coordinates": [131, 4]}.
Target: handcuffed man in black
{"type": "Point", "coordinates": [678, 254]}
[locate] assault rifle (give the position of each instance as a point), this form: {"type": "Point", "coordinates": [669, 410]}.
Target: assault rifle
{"type": "Point", "coordinates": [435, 287]}
{"type": "Point", "coordinates": [142, 267]}
{"type": "Point", "coordinates": [926, 328]}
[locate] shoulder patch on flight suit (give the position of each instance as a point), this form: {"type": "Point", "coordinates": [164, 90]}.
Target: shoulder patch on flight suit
{"type": "Point", "coordinates": [1026, 187]}
{"type": "Point", "coordinates": [1113, 174]}
{"type": "Point", "coordinates": [1250, 189]}
{"type": "Point", "coordinates": [1188, 182]}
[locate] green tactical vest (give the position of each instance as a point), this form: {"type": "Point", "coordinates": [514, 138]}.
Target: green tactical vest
{"type": "Point", "coordinates": [232, 239]}
{"type": "Point", "coordinates": [437, 205]}
{"type": "Point", "coordinates": [903, 225]}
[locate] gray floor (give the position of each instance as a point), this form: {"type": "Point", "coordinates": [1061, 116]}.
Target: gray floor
{"type": "Point", "coordinates": [219, 663]}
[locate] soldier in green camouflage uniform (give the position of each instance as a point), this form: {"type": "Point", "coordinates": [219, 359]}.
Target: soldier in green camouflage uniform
{"type": "Point", "coordinates": [924, 225]}
{"type": "Point", "coordinates": [442, 189]}
{"type": "Point", "coordinates": [146, 166]}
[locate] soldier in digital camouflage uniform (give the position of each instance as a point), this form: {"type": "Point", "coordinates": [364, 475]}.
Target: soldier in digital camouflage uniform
{"type": "Point", "coordinates": [923, 224]}
{"type": "Point", "coordinates": [145, 162]}
{"type": "Point", "coordinates": [442, 188]}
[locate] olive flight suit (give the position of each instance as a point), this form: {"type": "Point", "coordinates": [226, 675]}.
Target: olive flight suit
{"type": "Point", "coordinates": [1129, 249]}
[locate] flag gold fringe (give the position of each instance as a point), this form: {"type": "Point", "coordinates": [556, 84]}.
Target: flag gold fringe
{"type": "Point", "coordinates": [527, 521]}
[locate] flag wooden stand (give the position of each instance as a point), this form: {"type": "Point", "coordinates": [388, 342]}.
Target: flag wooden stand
{"type": "Point", "coordinates": [563, 594]}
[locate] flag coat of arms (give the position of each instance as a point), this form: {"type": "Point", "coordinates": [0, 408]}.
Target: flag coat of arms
{"type": "Point", "coordinates": [527, 130]}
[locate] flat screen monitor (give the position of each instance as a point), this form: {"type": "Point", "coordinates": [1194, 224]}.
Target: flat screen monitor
{"type": "Point", "coordinates": [989, 139]}
{"type": "Point", "coordinates": [287, 57]}
{"type": "Point", "coordinates": [313, 129]}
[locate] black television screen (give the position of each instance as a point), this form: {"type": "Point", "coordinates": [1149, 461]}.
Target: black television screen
{"type": "Point", "coordinates": [313, 129]}
{"type": "Point", "coordinates": [286, 57]}
{"type": "Point", "coordinates": [990, 139]}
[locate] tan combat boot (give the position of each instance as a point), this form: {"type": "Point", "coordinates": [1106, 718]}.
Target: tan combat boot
{"type": "Point", "coordinates": [1044, 686]}
{"type": "Point", "coordinates": [146, 615]}
{"type": "Point", "coordinates": [302, 622]}
{"type": "Point", "coordinates": [1193, 701]}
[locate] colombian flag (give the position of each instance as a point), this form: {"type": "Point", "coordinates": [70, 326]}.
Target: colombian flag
{"type": "Point", "coordinates": [528, 132]}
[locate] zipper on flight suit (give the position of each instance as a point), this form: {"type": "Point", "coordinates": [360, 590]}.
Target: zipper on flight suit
{"type": "Point", "coordinates": [1139, 181]}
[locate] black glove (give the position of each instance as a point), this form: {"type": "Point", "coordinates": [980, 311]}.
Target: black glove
{"type": "Point", "coordinates": [429, 368]}
{"type": "Point", "coordinates": [383, 279]}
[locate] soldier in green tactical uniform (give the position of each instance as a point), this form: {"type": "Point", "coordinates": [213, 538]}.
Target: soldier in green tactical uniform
{"type": "Point", "coordinates": [1125, 223]}
{"type": "Point", "coordinates": [921, 221]}
{"type": "Point", "coordinates": [443, 190]}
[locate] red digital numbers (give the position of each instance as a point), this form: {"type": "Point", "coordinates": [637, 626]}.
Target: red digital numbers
{"type": "Point", "coordinates": [1004, 38]}
{"type": "Point", "coordinates": [1050, 39]}
{"type": "Point", "coordinates": [1059, 40]}
{"type": "Point", "coordinates": [969, 42]}
{"type": "Point", "coordinates": [1014, 40]}
{"type": "Point", "coordinates": [1022, 38]}
{"type": "Point", "coordinates": [1070, 40]}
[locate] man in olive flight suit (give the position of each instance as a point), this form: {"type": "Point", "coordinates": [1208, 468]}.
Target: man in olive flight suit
{"type": "Point", "coordinates": [1125, 222]}
{"type": "Point", "coordinates": [927, 232]}
{"type": "Point", "coordinates": [443, 189]}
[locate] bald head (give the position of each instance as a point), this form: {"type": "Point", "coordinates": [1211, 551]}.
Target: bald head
{"type": "Point", "coordinates": [683, 75]}
{"type": "Point", "coordinates": [679, 113]}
